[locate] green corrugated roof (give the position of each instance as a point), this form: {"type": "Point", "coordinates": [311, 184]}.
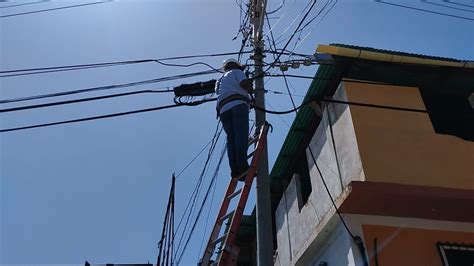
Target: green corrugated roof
{"type": "Point", "coordinates": [296, 133]}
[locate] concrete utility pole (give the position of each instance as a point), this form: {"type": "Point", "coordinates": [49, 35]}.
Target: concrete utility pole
{"type": "Point", "coordinates": [264, 216]}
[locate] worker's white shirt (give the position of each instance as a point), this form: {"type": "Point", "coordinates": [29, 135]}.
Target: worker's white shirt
{"type": "Point", "coordinates": [229, 84]}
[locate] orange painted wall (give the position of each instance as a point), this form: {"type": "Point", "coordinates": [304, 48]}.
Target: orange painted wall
{"type": "Point", "coordinates": [408, 246]}
{"type": "Point", "coordinates": [402, 147]}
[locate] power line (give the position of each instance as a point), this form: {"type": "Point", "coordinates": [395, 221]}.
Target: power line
{"type": "Point", "coordinates": [319, 171]}
{"type": "Point", "coordinates": [207, 219]}
{"type": "Point", "coordinates": [214, 99]}
{"type": "Point", "coordinates": [447, 6]}
{"type": "Point", "coordinates": [53, 9]}
{"type": "Point", "coordinates": [459, 4]}
{"type": "Point", "coordinates": [194, 195]}
{"type": "Point", "coordinates": [100, 117]}
{"type": "Point", "coordinates": [108, 87]}
{"type": "Point", "coordinates": [294, 33]}
{"type": "Point", "coordinates": [277, 93]}
{"type": "Point", "coordinates": [296, 45]}
{"type": "Point", "coordinates": [423, 10]}
{"type": "Point", "coordinates": [195, 157]}
{"type": "Point", "coordinates": [315, 26]}
{"type": "Point", "coordinates": [43, 105]}
{"type": "Point", "coordinates": [277, 9]}
{"type": "Point", "coordinates": [41, 70]}
{"type": "Point", "coordinates": [24, 4]}
{"type": "Point", "coordinates": [214, 178]}
{"type": "Point", "coordinates": [316, 16]}
{"type": "Point", "coordinates": [395, 108]}
{"type": "Point", "coordinates": [292, 22]}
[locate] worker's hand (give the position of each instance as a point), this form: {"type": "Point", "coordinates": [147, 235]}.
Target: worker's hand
{"type": "Point", "coordinates": [247, 85]}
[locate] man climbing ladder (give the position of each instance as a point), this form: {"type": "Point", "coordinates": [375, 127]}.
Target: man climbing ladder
{"type": "Point", "coordinates": [233, 97]}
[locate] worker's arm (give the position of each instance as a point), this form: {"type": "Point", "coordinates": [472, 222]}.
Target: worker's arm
{"type": "Point", "coordinates": [246, 84]}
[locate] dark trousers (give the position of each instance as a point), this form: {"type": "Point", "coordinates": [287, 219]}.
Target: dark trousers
{"type": "Point", "coordinates": [236, 125]}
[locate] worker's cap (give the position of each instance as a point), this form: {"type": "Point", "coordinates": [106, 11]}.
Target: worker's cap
{"type": "Point", "coordinates": [230, 60]}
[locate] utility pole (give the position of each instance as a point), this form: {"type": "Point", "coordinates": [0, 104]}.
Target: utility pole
{"type": "Point", "coordinates": [264, 216]}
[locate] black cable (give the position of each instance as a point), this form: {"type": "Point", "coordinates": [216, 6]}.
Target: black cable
{"type": "Point", "coordinates": [189, 65]}
{"type": "Point", "coordinates": [376, 255]}
{"type": "Point", "coordinates": [105, 64]}
{"type": "Point", "coordinates": [207, 220]}
{"type": "Point", "coordinates": [214, 178]}
{"type": "Point", "coordinates": [316, 164]}
{"type": "Point", "coordinates": [294, 33]}
{"type": "Point", "coordinates": [21, 108]}
{"type": "Point", "coordinates": [24, 4]}
{"type": "Point", "coordinates": [322, 19]}
{"type": "Point", "coordinates": [194, 195]}
{"type": "Point", "coordinates": [459, 4]}
{"type": "Point", "coordinates": [278, 8]}
{"type": "Point", "coordinates": [108, 87]}
{"type": "Point", "coordinates": [195, 157]}
{"type": "Point", "coordinates": [341, 102]}
{"type": "Point", "coordinates": [328, 79]}
{"type": "Point", "coordinates": [282, 93]}
{"type": "Point", "coordinates": [300, 31]}
{"type": "Point", "coordinates": [287, 53]}
{"type": "Point", "coordinates": [98, 117]}
{"type": "Point", "coordinates": [214, 99]}
{"type": "Point", "coordinates": [446, 6]}
{"type": "Point", "coordinates": [423, 10]}
{"type": "Point", "coordinates": [376, 106]}
{"type": "Point", "coordinates": [272, 38]}
{"type": "Point", "coordinates": [56, 8]}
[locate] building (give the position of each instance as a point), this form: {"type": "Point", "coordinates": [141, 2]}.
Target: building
{"type": "Point", "coordinates": [387, 138]}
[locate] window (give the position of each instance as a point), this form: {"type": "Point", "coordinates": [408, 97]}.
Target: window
{"type": "Point", "coordinates": [453, 254]}
{"type": "Point", "coordinates": [450, 114]}
{"type": "Point", "coordinates": [302, 169]}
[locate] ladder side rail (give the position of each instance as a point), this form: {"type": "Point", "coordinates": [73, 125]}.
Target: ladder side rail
{"type": "Point", "coordinates": [237, 218]}
{"type": "Point", "coordinates": [208, 252]}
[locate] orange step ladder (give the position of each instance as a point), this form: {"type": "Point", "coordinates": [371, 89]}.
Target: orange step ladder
{"type": "Point", "coordinates": [228, 251]}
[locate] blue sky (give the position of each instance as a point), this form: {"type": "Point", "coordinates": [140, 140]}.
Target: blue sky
{"type": "Point", "coordinates": [98, 190]}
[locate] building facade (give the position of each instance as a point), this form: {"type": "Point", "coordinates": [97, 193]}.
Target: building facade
{"type": "Point", "coordinates": [378, 169]}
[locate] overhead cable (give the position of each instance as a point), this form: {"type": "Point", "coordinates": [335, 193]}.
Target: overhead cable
{"type": "Point", "coordinates": [108, 87]}
{"type": "Point", "coordinates": [423, 10]}
{"type": "Point", "coordinates": [447, 6]}
{"type": "Point", "coordinates": [196, 191]}
{"type": "Point", "coordinates": [317, 167]}
{"type": "Point", "coordinates": [315, 26]}
{"type": "Point", "coordinates": [43, 105]}
{"type": "Point", "coordinates": [204, 201]}
{"type": "Point", "coordinates": [294, 33]}
{"type": "Point", "coordinates": [459, 4]}
{"type": "Point", "coordinates": [54, 9]}
{"type": "Point", "coordinates": [24, 4]}
{"type": "Point", "coordinates": [100, 117]}
{"type": "Point", "coordinates": [214, 99]}
{"type": "Point", "coordinates": [40, 70]}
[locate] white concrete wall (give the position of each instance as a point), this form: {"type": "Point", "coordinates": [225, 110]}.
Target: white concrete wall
{"type": "Point", "coordinates": [336, 250]}
{"type": "Point", "coordinates": [297, 229]}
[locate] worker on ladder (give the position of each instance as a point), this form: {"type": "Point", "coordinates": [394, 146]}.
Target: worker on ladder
{"type": "Point", "coordinates": [234, 91]}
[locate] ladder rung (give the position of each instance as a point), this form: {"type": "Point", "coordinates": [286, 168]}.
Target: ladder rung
{"type": "Point", "coordinates": [220, 239]}
{"type": "Point", "coordinates": [231, 196]}
{"type": "Point", "coordinates": [230, 214]}
{"type": "Point", "coordinates": [252, 141]}
{"type": "Point", "coordinates": [250, 155]}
